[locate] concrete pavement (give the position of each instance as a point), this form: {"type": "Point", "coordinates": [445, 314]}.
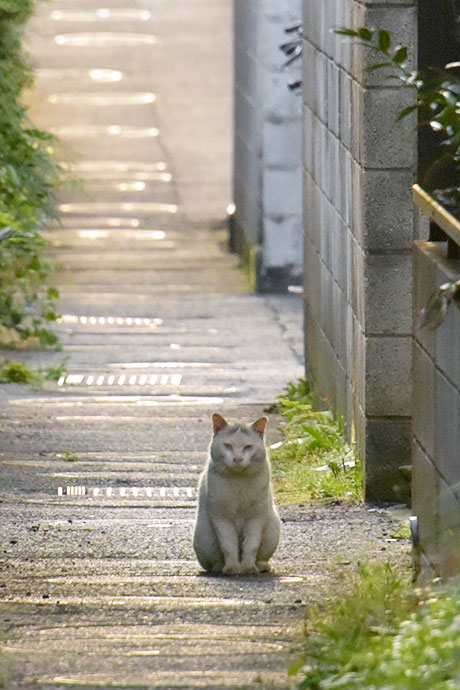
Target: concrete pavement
{"type": "Point", "coordinates": [99, 586]}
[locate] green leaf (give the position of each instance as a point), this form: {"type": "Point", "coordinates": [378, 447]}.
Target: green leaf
{"type": "Point", "coordinates": [343, 31]}
{"type": "Point", "coordinates": [400, 55]}
{"type": "Point", "coordinates": [406, 111]}
{"type": "Point", "coordinates": [384, 41]}
{"type": "Point", "coordinates": [365, 34]}
{"type": "Point", "coordinates": [378, 65]}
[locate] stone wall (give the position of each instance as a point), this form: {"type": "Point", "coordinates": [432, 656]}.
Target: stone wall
{"type": "Point", "coordinates": [436, 419]}
{"type": "Point", "coordinates": [267, 183]}
{"type": "Point", "coordinates": [359, 229]}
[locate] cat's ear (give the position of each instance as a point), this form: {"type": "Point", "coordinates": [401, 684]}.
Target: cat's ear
{"type": "Point", "coordinates": [259, 426]}
{"type": "Point", "coordinates": [218, 422]}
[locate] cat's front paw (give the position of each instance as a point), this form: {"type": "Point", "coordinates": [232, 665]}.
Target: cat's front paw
{"type": "Point", "coordinates": [231, 569]}
{"type": "Point", "coordinates": [249, 569]}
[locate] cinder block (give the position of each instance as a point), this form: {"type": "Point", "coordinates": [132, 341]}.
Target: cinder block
{"type": "Point", "coordinates": [345, 108]}
{"type": "Point", "coordinates": [424, 283]}
{"type": "Point", "coordinates": [282, 192]}
{"type": "Point", "coordinates": [326, 224]}
{"type": "Point", "coordinates": [386, 145]}
{"type": "Point", "coordinates": [312, 280]}
{"type": "Point", "coordinates": [247, 121]}
{"type": "Point", "coordinates": [447, 431]}
{"type": "Point", "coordinates": [449, 538]}
{"type": "Point", "coordinates": [311, 210]}
{"type": "Point", "coordinates": [309, 93]}
{"type": "Point", "coordinates": [423, 400]}
{"type": "Point", "coordinates": [276, 101]}
{"type": "Point", "coordinates": [286, 12]}
{"type": "Point", "coordinates": [447, 335]}
{"type": "Point", "coordinates": [388, 294]}
{"type": "Point", "coordinates": [327, 315]}
{"type": "Point", "coordinates": [357, 357]}
{"type": "Point", "coordinates": [425, 498]}
{"type": "Point", "coordinates": [281, 143]}
{"type": "Point", "coordinates": [358, 285]}
{"type": "Point", "coordinates": [307, 138]}
{"type": "Point", "coordinates": [344, 330]}
{"type": "Point", "coordinates": [358, 122]}
{"type": "Point", "coordinates": [388, 209]}
{"type": "Point", "coordinates": [282, 245]}
{"type": "Point", "coordinates": [388, 376]}
{"type": "Point", "coordinates": [321, 85]}
{"type": "Point", "coordinates": [311, 20]}
{"type": "Point", "coordinates": [387, 449]}
{"type": "Point", "coordinates": [357, 220]}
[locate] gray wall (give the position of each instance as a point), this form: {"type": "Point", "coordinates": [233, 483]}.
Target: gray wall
{"type": "Point", "coordinates": [436, 419]}
{"type": "Point", "coordinates": [359, 228]}
{"type": "Point", "coordinates": [267, 183]}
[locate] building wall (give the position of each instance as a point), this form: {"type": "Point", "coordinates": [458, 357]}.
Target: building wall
{"type": "Point", "coordinates": [359, 228]}
{"type": "Point", "coordinates": [267, 183]}
{"type": "Point", "coordinates": [436, 419]}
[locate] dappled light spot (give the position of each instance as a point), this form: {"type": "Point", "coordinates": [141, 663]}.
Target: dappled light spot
{"type": "Point", "coordinates": [102, 13]}
{"type": "Point", "coordinates": [156, 235]}
{"type": "Point", "coordinates": [104, 39]}
{"type": "Point", "coordinates": [102, 99]}
{"type": "Point", "coordinates": [117, 207]}
{"type": "Point", "coordinates": [93, 131]}
{"type": "Point", "coordinates": [72, 73]}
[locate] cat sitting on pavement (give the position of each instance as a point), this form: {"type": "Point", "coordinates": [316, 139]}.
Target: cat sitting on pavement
{"type": "Point", "coordinates": [237, 526]}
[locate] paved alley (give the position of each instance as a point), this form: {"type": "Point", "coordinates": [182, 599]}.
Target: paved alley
{"type": "Point", "coordinates": [99, 586]}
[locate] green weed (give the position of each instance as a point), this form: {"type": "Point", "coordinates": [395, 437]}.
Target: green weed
{"type": "Point", "coordinates": [383, 634]}
{"type": "Point", "coordinates": [68, 456]}
{"type": "Point", "coordinates": [313, 461]}
{"type": "Point", "coordinates": [20, 372]}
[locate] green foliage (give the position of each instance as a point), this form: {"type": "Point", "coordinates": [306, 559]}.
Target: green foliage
{"type": "Point", "coordinates": [19, 372]}
{"type": "Point", "coordinates": [27, 178]}
{"type": "Point", "coordinates": [437, 100]}
{"type": "Point", "coordinates": [313, 461]}
{"type": "Point", "coordinates": [383, 634]}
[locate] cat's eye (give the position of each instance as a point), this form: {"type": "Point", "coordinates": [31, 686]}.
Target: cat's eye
{"type": "Point", "coordinates": [247, 448]}
{"type": "Point", "coordinates": [228, 446]}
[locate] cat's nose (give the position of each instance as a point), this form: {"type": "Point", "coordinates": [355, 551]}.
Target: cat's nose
{"type": "Point", "coordinates": [237, 460]}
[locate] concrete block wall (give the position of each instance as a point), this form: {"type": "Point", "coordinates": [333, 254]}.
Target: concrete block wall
{"type": "Point", "coordinates": [436, 419]}
{"type": "Point", "coordinates": [359, 229]}
{"type": "Point", "coordinates": [267, 178]}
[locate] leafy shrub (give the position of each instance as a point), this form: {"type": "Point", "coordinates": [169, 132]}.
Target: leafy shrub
{"type": "Point", "coordinates": [383, 634]}
{"type": "Point", "coordinates": [28, 176]}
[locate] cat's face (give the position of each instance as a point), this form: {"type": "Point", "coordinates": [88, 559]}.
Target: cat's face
{"type": "Point", "coordinates": [236, 447]}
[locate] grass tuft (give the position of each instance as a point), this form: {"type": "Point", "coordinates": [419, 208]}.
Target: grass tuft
{"type": "Point", "coordinates": [313, 461]}
{"type": "Point", "coordinates": [382, 634]}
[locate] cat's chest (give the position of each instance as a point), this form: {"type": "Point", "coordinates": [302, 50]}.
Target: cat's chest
{"type": "Point", "coordinates": [237, 498]}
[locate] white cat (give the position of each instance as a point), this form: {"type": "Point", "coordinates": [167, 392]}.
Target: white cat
{"type": "Point", "coordinates": [237, 527]}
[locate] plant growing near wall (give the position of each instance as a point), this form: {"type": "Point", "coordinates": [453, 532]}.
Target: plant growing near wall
{"type": "Point", "coordinates": [28, 176]}
{"type": "Point", "coordinates": [313, 461]}
{"type": "Point", "coordinates": [437, 100]}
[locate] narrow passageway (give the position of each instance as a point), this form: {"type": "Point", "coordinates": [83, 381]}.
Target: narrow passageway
{"type": "Point", "coordinates": [100, 587]}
